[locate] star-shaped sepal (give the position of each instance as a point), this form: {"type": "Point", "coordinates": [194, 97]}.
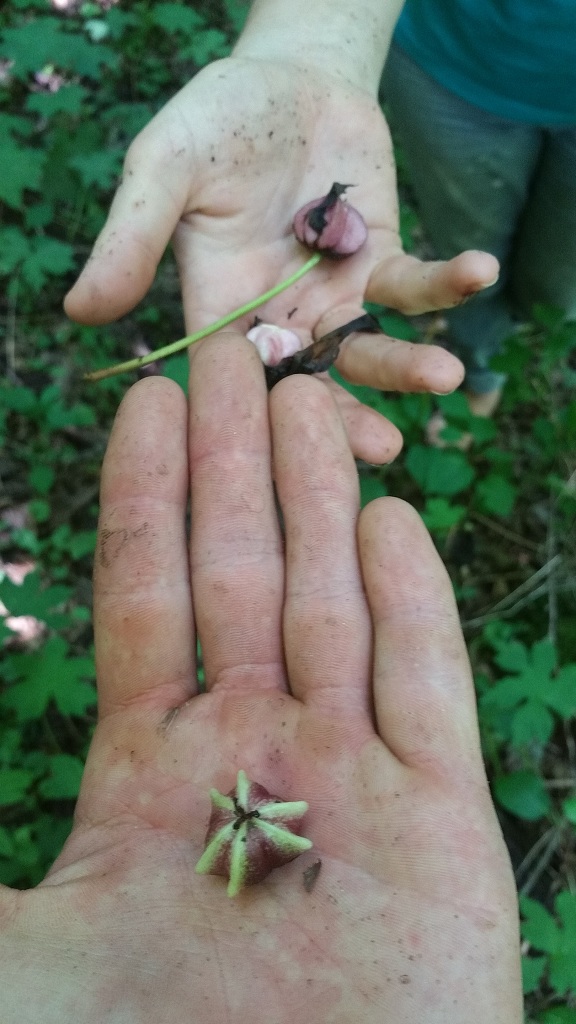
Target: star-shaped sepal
{"type": "Point", "coordinates": [250, 833]}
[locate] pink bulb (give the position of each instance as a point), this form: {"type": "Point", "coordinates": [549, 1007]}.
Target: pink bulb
{"type": "Point", "coordinates": [330, 225]}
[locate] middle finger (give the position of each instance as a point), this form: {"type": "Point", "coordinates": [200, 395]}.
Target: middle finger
{"type": "Point", "coordinates": [236, 546]}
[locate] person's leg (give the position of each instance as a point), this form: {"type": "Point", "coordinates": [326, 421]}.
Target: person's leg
{"type": "Point", "coordinates": [470, 172]}
{"type": "Point", "coordinates": [544, 257]}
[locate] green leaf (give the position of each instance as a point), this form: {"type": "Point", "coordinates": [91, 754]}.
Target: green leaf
{"type": "Point", "coordinates": [20, 169]}
{"type": "Point", "coordinates": [65, 777]}
{"type": "Point", "coordinates": [543, 657]}
{"type": "Point", "coordinates": [69, 99]}
{"type": "Point", "coordinates": [455, 407]}
{"type": "Point", "coordinates": [562, 972]}
{"type": "Point", "coordinates": [532, 723]}
{"type": "Point", "coordinates": [538, 927]}
{"type": "Point", "coordinates": [31, 598]}
{"type": "Point", "coordinates": [82, 543]}
{"type": "Point", "coordinates": [439, 514]}
{"type": "Point", "coordinates": [19, 399]}
{"type": "Point", "coordinates": [177, 18]}
{"type": "Point", "coordinates": [204, 46]}
{"type": "Point", "coordinates": [371, 487]}
{"type": "Point", "coordinates": [532, 970]}
{"type": "Point", "coordinates": [439, 471]}
{"type": "Point", "coordinates": [14, 783]}
{"type": "Point", "coordinates": [512, 656]}
{"type": "Point", "coordinates": [558, 1015]}
{"type": "Point", "coordinates": [44, 41]}
{"type": "Point", "coordinates": [41, 478]}
{"type": "Point", "coordinates": [524, 794]}
{"type": "Point", "coordinates": [178, 368]}
{"type": "Point", "coordinates": [101, 168]}
{"type": "Point", "coordinates": [39, 510]}
{"type": "Point", "coordinates": [506, 694]}
{"type": "Point", "coordinates": [14, 248]}
{"type": "Point", "coordinates": [497, 495]}
{"type": "Point", "coordinates": [560, 691]}
{"type": "Point", "coordinates": [393, 324]}
{"type": "Point", "coordinates": [50, 675]}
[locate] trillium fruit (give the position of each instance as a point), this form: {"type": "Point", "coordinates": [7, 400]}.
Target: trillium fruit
{"type": "Point", "coordinates": [250, 833]}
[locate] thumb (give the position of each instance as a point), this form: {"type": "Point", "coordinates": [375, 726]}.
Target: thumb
{"type": "Point", "coordinates": [145, 211]}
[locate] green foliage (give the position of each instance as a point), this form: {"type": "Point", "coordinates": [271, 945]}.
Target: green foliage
{"type": "Point", "coordinates": [80, 85]}
{"type": "Point", "coordinates": [49, 675]}
{"type": "Point", "coordinates": [555, 937]}
{"type": "Point", "coordinates": [524, 794]}
{"type": "Point", "coordinates": [525, 705]}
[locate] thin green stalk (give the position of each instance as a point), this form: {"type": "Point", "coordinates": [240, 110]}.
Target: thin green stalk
{"type": "Point", "coordinates": [218, 325]}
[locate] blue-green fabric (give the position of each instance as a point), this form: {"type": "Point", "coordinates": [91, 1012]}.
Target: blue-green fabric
{"type": "Point", "coordinates": [513, 58]}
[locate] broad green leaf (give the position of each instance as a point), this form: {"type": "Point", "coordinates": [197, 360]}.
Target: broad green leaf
{"type": "Point", "coordinates": [371, 487]}
{"type": "Point", "coordinates": [14, 248]}
{"type": "Point", "coordinates": [512, 656]}
{"type": "Point", "coordinates": [439, 471]}
{"type": "Point", "coordinates": [65, 777]}
{"type": "Point", "coordinates": [505, 694]}
{"type": "Point", "coordinates": [497, 494]}
{"type": "Point", "coordinates": [48, 257]}
{"type": "Point", "coordinates": [532, 970]}
{"type": "Point", "coordinates": [20, 169]}
{"type": "Point", "coordinates": [177, 18]}
{"type": "Point", "coordinates": [205, 46]}
{"type": "Point", "coordinates": [178, 368]}
{"type": "Point", "coordinates": [77, 415]}
{"type": "Point", "coordinates": [101, 168]}
{"type": "Point", "coordinates": [532, 723]}
{"type": "Point", "coordinates": [50, 675]}
{"type": "Point", "coordinates": [439, 514]}
{"type": "Point", "coordinates": [558, 1015]}
{"type": "Point", "coordinates": [20, 399]}
{"type": "Point", "coordinates": [538, 927]}
{"type": "Point", "coordinates": [14, 783]}
{"type": "Point", "coordinates": [393, 324]}
{"type": "Point", "coordinates": [44, 41]}
{"type": "Point", "coordinates": [562, 972]}
{"type": "Point", "coordinates": [82, 543]}
{"type": "Point", "coordinates": [39, 510]}
{"type": "Point", "coordinates": [69, 99]}
{"type": "Point", "coordinates": [523, 793]}
{"type": "Point", "coordinates": [543, 657]}
{"type": "Point", "coordinates": [31, 598]}
{"type": "Point", "coordinates": [455, 407]}
{"type": "Point", "coordinates": [41, 478]}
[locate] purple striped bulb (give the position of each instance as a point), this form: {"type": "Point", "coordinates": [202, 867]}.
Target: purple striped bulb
{"type": "Point", "coordinates": [330, 225]}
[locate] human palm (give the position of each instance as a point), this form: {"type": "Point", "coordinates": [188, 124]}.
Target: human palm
{"type": "Point", "coordinates": [221, 170]}
{"type": "Point", "coordinates": [336, 673]}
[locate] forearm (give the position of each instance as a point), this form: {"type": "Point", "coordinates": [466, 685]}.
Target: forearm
{"type": "Point", "coordinates": [348, 38]}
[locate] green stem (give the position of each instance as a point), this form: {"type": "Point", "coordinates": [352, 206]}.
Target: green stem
{"type": "Point", "coordinates": [218, 325]}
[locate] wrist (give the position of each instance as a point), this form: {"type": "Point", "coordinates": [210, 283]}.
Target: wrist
{"type": "Point", "coordinates": [347, 40]}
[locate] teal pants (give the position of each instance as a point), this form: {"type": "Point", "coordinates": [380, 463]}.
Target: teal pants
{"type": "Point", "coordinates": [482, 182]}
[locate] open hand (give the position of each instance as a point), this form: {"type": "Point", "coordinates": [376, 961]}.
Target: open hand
{"type": "Point", "coordinates": [221, 170]}
{"type": "Point", "coordinates": [336, 673]}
